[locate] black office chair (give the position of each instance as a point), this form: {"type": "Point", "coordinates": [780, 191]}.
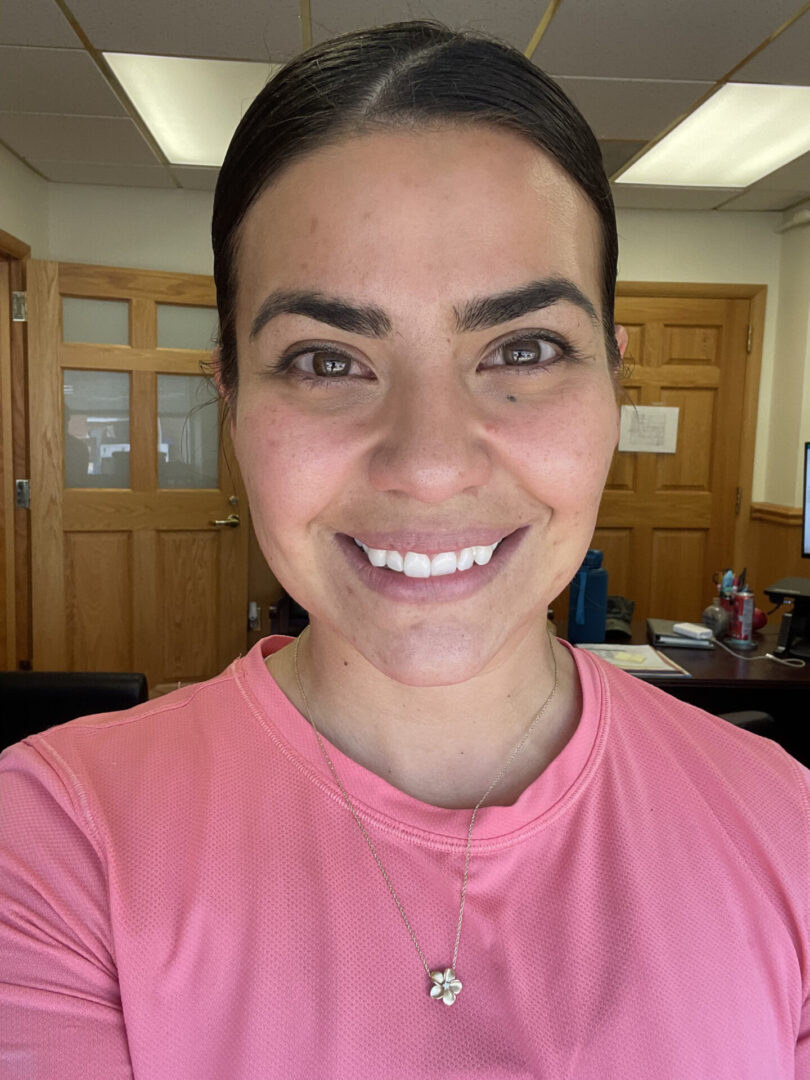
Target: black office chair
{"type": "Point", "coordinates": [32, 701]}
{"type": "Point", "coordinates": [761, 723]}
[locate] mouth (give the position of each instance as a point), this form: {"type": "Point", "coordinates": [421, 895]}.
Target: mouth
{"type": "Point", "coordinates": [431, 567]}
{"type": "Point", "coordinates": [422, 564]}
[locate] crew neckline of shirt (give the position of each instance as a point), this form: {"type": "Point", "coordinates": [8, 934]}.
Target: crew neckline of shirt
{"type": "Point", "coordinates": [378, 801]}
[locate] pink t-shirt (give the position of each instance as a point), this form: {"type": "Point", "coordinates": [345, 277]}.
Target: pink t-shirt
{"type": "Point", "coordinates": [185, 896]}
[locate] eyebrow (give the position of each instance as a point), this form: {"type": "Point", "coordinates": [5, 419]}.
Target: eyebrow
{"type": "Point", "coordinates": [368, 321]}
{"type": "Point", "coordinates": [479, 314]}
{"type": "Point", "coordinates": [489, 311]}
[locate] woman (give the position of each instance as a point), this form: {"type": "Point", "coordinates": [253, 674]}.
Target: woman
{"type": "Point", "coordinates": [425, 801]}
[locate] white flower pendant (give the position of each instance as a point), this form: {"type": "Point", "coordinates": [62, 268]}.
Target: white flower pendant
{"type": "Point", "coordinates": [445, 985]}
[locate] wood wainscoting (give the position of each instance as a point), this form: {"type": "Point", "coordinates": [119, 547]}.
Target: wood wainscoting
{"type": "Point", "coordinates": [774, 548]}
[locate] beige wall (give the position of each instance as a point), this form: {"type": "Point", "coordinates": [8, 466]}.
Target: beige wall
{"type": "Point", "coordinates": [24, 204]}
{"type": "Point", "coordinates": [169, 230]}
{"type": "Point", "coordinates": [141, 227]}
{"type": "Point", "coordinates": [790, 398]}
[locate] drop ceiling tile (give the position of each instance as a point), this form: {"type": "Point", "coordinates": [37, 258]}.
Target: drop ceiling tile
{"type": "Point", "coordinates": [631, 108]}
{"type": "Point", "coordinates": [196, 178]}
{"type": "Point", "coordinates": [786, 60]}
{"type": "Point", "coordinates": [35, 22]}
{"type": "Point", "coordinates": [617, 152]}
{"type": "Point", "coordinates": [757, 198]}
{"type": "Point", "coordinates": [247, 30]}
{"type": "Point", "coordinates": [795, 176]}
{"type": "Point", "coordinates": [511, 20]}
{"type": "Point", "coordinates": [54, 81]}
{"type": "Point", "coordinates": [646, 197]}
{"type": "Point", "coordinates": [691, 39]}
{"type": "Point", "coordinates": [75, 138]}
{"type": "Point", "coordinates": [78, 172]}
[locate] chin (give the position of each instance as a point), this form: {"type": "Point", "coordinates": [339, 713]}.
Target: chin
{"type": "Point", "coordinates": [431, 654]}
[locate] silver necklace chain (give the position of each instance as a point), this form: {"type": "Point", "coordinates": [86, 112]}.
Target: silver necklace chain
{"type": "Point", "coordinates": [444, 983]}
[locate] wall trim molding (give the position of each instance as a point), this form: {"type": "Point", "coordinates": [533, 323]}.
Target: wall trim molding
{"type": "Point", "coordinates": [13, 248]}
{"type": "Point", "coordinates": [710, 289]}
{"type": "Point", "coordinates": [776, 515]}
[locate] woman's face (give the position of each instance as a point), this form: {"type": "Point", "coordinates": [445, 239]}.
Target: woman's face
{"type": "Point", "coordinates": [422, 370]}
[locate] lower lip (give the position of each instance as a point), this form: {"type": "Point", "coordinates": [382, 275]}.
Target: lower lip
{"type": "Point", "coordinates": [396, 586]}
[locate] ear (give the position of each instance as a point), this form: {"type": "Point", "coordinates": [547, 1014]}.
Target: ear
{"type": "Point", "coordinates": [621, 339]}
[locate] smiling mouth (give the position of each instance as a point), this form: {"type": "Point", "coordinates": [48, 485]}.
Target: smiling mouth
{"type": "Point", "coordinates": [416, 564]}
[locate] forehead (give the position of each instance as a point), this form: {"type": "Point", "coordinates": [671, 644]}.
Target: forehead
{"type": "Point", "coordinates": [440, 213]}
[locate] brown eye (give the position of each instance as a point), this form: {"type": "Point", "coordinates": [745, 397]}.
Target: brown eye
{"type": "Point", "coordinates": [528, 351]}
{"type": "Point", "coordinates": [328, 364]}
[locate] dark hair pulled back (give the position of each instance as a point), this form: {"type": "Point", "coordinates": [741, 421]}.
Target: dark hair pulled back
{"type": "Point", "coordinates": [406, 74]}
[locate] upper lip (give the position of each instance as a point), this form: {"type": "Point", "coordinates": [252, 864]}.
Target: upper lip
{"type": "Point", "coordinates": [432, 542]}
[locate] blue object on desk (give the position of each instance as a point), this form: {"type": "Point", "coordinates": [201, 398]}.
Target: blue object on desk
{"type": "Point", "coordinates": [588, 601]}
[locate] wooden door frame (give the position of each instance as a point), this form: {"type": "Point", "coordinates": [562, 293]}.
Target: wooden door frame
{"type": "Point", "coordinates": [15, 569]}
{"type": "Point", "coordinates": [757, 296]}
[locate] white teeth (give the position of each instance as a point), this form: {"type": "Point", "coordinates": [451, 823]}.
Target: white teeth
{"type": "Point", "coordinates": [445, 563]}
{"type": "Point", "coordinates": [376, 556]}
{"type": "Point", "coordinates": [394, 561]}
{"type": "Point", "coordinates": [466, 558]}
{"type": "Point", "coordinates": [484, 554]}
{"type": "Point", "coordinates": [416, 565]}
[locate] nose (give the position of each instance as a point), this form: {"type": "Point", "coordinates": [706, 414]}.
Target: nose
{"type": "Point", "coordinates": [432, 443]}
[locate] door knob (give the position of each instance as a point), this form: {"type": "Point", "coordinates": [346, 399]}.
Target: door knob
{"type": "Point", "coordinates": [232, 521]}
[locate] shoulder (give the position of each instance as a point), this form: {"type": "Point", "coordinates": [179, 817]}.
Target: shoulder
{"type": "Point", "coordinates": [164, 745]}
{"type": "Point", "coordinates": [707, 769]}
{"type": "Point", "coordinates": [653, 720]}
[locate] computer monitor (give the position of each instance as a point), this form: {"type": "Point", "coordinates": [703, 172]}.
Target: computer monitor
{"type": "Point", "coordinates": [806, 504]}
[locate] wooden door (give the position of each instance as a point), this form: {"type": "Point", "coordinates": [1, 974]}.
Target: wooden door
{"type": "Point", "coordinates": [667, 521]}
{"type": "Point", "coordinates": [7, 606]}
{"type": "Point", "coordinates": [130, 571]}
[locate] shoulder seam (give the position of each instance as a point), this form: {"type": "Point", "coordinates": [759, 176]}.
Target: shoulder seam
{"type": "Point", "coordinates": [86, 729]}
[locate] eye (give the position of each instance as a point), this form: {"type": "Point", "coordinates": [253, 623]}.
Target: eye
{"type": "Point", "coordinates": [323, 364]}
{"type": "Point", "coordinates": [524, 352]}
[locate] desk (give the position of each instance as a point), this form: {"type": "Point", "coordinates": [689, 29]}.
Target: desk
{"type": "Point", "coordinates": [721, 683]}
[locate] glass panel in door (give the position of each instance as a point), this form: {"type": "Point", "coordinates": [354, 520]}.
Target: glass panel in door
{"type": "Point", "coordinates": [188, 432]}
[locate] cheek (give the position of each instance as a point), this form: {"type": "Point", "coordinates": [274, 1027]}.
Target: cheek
{"type": "Point", "coordinates": [566, 448]}
{"type": "Point", "coordinates": [292, 464]}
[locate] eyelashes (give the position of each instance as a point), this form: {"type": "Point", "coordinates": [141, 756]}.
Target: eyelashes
{"type": "Point", "coordinates": [527, 353]}
{"type": "Point", "coordinates": [322, 362]}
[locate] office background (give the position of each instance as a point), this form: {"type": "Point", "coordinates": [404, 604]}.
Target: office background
{"type": "Point", "coordinates": [633, 68]}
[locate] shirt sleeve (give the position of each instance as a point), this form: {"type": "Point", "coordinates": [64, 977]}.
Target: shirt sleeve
{"type": "Point", "coordinates": [803, 1040]}
{"type": "Point", "coordinates": [60, 1005]}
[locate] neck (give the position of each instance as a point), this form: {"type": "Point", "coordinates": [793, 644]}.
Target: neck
{"type": "Point", "coordinates": [444, 745]}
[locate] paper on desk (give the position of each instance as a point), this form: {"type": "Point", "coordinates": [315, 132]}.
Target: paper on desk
{"type": "Point", "coordinates": [638, 659]}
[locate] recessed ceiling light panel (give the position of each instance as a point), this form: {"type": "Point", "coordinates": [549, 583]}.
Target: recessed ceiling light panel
{"type": "Point", "coordinates": [743, 132]}
{"type": "Point", "coordinates": [191, 106]}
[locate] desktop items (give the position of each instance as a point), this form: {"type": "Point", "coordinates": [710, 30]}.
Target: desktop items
{"type": "Point", "coordinates": [741, 628]}
{"type": "Point", "coordinates": [794, 630]}
{"type": "Point", "coordinates": [693, 630]}
{"type": "Point", "coordinates": [736, 599]}
{"type": "Point", "coordinates": [587, 609]}
{"type": "Point", "coordinates": [716, 618]}
{"type": "Point", "coordinates": [662, 633]}
{"type": "Point", "coordinates": [619, 621]}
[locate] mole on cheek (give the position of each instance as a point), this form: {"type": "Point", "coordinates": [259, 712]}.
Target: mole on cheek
{"type": "Point", "coordinates": [511, 397]}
